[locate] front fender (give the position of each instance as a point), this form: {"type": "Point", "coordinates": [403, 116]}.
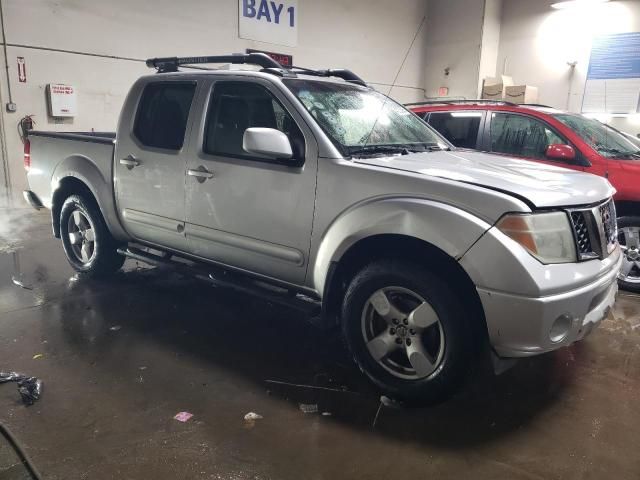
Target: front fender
{"type": "Point", "coordinates": [448, 228]}
{"type": "Point", "coordinates": [98, 182]}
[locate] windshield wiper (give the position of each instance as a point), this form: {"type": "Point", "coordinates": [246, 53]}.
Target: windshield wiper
{"type": "Point", "coordinates": [402, 149]}
{"type": "Point", "coordinates": [375, 149]}
{"type": "Point", "coordinates": [428, 147]}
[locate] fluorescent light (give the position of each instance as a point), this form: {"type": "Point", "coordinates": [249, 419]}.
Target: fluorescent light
{"type": "Point", "coordinates": [576, 3]}
{"type": "Point", "coordinates": [466, 114]}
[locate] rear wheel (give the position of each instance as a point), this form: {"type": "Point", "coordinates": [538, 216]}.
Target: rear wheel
{"type": "Point", "coordinates": [407, 331]}
{"type": "Point", "coordinates": [87, 242]}
{"type": "Point", "coordinates": [629, 239]}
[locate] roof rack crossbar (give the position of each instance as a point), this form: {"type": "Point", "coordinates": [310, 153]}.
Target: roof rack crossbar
{"type": "Point", "coordinates": [343, 73]}
{"type": "Point", "coordinates": [453, 102]}
{"type": "Point", "coordinates": [171, 64]}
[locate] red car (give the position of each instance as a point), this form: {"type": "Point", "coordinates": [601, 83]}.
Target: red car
{"type": "Point", "coordinates": [544, 134]}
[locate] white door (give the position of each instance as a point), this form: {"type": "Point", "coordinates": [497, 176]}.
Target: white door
{"type": "Point", "coordinates": [247, 211]}
{"type": "Point", "coordinates": [150, 163]}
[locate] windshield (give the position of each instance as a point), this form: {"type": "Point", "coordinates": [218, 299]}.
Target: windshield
{"type": "Point", "coordinates": [605, 140]}
{"type": "Point", "coordinates": [361, 121]}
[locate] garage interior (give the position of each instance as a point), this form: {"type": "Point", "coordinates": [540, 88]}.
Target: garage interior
{"type": "Point", "coordinates": [120, 358]}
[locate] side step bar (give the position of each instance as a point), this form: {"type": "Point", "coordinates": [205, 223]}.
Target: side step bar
{"type": "Point", "coordinates": [225, 279]}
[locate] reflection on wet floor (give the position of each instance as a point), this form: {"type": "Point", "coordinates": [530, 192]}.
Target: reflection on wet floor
{"type": "Point", "coordinates": [121, 358]}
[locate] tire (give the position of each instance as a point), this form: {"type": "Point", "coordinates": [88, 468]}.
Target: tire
{"type": "Point", "coordinates": [629, 276]}
{"type": "Point", "coordinates": [87, 242]}
{"type": "Point", "coordinates": [446, 344]}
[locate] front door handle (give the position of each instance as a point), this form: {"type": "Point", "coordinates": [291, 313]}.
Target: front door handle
{"type": "Point", "coordinates": [201, 174]}
{"type": "Point", "coordinates": [129, 162]}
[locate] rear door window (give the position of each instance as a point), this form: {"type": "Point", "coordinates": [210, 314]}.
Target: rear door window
{"type": "Point", "coordinates": [161, 121]}
{"type": "Point", "coordinates": [460, 128]}
{"type": "Point", "coordinates": [521, 136]}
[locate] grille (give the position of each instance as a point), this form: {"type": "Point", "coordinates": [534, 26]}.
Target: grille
{"type": "Point", "coordinates": [595, 230]}
{"type": "Point", "coordinates": [582, 232]}
{"type": "Point", "coordinates": [608, 218]}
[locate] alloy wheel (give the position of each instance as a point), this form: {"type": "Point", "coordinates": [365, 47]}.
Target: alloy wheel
{"type": "Point", "coordinates": [81, 236]}
{"type": "Point", "coordinates": [403, 333]}
{"type": "Point", "coordinates": [629, 239]}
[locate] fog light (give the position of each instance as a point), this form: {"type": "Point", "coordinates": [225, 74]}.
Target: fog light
{"type": "Point", "coordinates": [560, 328]}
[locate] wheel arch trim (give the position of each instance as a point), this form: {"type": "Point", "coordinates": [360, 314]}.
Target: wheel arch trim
{"type": "Point", "coordinates": [431, 222]}
{"type": "Point", "coordinates": [77, 170]}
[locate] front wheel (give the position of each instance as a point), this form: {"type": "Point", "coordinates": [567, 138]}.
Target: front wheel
{"type": "Point", "coordinates": [87, 242]}
{"type": "Point", "coordinates": [407, 331]}
{"type": "Point", "coordinates": [629, 239]}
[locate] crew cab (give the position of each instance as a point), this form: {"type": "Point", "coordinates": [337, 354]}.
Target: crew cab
{"type": "Point", "coordinates": [312, 183]}
{"type": "Point", "coordinates": [544, 134]}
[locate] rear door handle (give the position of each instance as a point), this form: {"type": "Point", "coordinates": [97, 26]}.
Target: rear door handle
{"type": "Point", "coordinates": [129, 162]}
{"type": "Point", "coordinates": [201, 173]}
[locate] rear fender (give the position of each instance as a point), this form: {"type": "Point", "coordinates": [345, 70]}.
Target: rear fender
{"type": "Point", "coordinates": [101, 187]}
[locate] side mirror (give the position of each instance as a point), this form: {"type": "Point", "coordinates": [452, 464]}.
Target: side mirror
{"type": "Point", "coordinates": [560, 152]}
{"type": "Point", "coordinates": [267, 142]}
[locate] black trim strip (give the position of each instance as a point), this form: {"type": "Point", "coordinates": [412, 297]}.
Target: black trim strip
{"type": "Point", "coordinates": [91, 137]}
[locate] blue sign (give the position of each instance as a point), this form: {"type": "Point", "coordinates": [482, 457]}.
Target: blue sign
{"type": "Point", "coordinates": [615, 56]}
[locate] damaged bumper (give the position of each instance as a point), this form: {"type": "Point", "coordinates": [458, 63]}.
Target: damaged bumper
{"type": "Point", "coordinates": [532, 308]}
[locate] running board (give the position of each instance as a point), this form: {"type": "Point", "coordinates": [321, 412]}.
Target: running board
{"type": "Point", "coordinates": [234, 281]}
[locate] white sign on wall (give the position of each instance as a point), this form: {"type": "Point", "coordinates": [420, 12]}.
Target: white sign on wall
{"type": "Point", "coordinates": [270, 21]}
{"type": "Point", "coordinates": [62, 100]}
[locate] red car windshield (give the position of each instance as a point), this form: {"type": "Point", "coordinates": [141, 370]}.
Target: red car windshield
{"type": "Point", "coordinates": [605, 140]}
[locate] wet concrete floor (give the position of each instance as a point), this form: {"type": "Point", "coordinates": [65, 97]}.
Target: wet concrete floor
{"type": "Point", "coordinates": [120, 358]}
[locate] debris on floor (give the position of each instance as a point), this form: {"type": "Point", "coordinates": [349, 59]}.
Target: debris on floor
{"type": "Point", "coordinates": [20, 283]}
{"type": "Point", "coordinates": [313, 387]}
{"type": "Point", "coordinates": [390, 402]}
{"type": "Point", "coordinates": [115, 328]}
{"type": "Point", "coordinates": [309, 408]}
{"type": "Point", "coordinates": [250, 420]}
{"type": "Point", "coordinates": [183, 416]}
{"type": "Point", "coordinates": [38, 355]}
{"type": "Point", "coordinates": [29, 388]}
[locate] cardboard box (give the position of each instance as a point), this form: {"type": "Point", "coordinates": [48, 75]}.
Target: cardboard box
{"type": "Point", "coordinates": [494, 88]}
{"type": "Point", "coordinates": [521, 94]}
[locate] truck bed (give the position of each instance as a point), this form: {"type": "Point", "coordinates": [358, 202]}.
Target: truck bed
{"type": "Point", "coordinates": [85, 156]}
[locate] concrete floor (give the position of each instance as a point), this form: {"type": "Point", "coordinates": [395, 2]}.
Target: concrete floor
{"type": "Point", "coordinates": [120, 358]}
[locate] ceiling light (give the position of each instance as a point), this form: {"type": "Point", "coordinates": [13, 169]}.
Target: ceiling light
{"type": "Point", "coordinates": [576, 3]}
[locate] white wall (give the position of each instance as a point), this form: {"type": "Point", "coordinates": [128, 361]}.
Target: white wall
{"type": "Point", "coordinates": [538, 41]}
{"type": "Point", "coordinates": [371, 37]}
{"type": "Point", "coordinates": [453, 40]}
{"type": "Point", "coordinates": [490, 41]}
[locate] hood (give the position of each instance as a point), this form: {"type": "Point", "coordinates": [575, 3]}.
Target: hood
{"type": "Point", "coordinates": [540, 184]}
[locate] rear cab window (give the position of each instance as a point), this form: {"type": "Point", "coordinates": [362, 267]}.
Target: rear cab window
{"type": "Point", "coordinates": [459, 127]}
{"type": "Point", "coordinates": [163, 111]}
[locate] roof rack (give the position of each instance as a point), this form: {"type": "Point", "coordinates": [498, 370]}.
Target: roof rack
{"type": "Point", "coordinates": [171, 64]}
{"type": "Point", "coordinates": [269, 65]}
{"type": "Point", "coordinates": [343, 73]}
{"type": "Point", "coordinates": [455, 102]}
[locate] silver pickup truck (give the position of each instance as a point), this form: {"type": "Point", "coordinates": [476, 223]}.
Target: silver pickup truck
{"type": "Point", "coordinates": [313, 183]}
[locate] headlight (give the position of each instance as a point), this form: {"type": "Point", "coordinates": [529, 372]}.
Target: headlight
{"type": "Point", "coordinates": [546, 236]}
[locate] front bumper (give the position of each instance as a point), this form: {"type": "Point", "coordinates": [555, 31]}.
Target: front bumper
{"type": "Point", "coordinates": [523, 326]}
{"type": "Point", "coordinates": [531, 308]}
